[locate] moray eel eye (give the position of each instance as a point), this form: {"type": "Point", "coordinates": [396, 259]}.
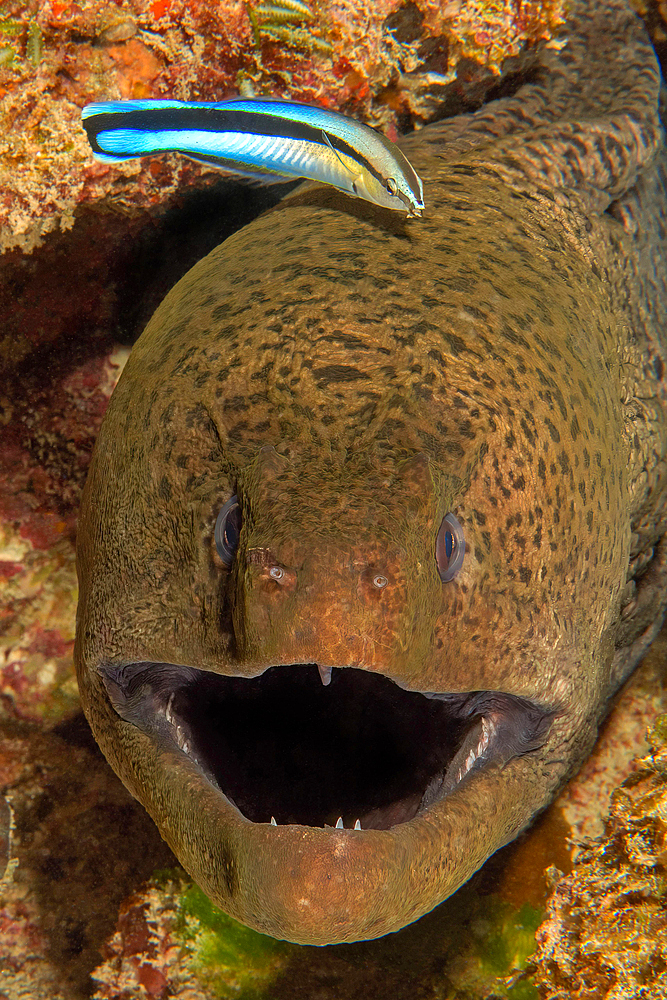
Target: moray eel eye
{"type": "Point", "coordinates": [276, 572]}
{"type": "Point", "coordinates": [227, 530]}
{"type": "Point", "coordinates": [379, 581]}
{"type": "Point", "coordinates": [450, 547]}
{"type": "Point", "coordinates": [392, 187]}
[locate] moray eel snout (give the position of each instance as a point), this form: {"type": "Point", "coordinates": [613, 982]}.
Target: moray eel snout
{"type": "Point", "coordinates": [321, 737]}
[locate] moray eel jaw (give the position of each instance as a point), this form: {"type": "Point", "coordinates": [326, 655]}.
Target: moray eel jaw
{"type": "Point", "coordinates": [284, 745]}
{"type": "Point", "coordinates": [239, 752]}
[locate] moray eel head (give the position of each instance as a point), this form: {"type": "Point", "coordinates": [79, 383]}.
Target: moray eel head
{"type": "Point", "coordinates": [352, 713]}
{"type": "Point", "coordinates": [329, 576]}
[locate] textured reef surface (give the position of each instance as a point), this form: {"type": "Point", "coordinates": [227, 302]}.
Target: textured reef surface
{"type": "Point", "coordinates": [390, 63]}
{"type": "Point", "coordinates": [605, 931]}
{"type": "Point", "coordinates": [95, 892]}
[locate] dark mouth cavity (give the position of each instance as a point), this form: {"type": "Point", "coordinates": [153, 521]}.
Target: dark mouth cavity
{"type": "Point", "coordinates": [359, 752]}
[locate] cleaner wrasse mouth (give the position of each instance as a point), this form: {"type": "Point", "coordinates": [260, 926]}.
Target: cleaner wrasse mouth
{"type": "Point", "coordinates": [310, 780]}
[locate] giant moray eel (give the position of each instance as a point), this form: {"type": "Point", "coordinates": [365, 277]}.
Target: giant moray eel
{"type": "Point", "coordinates": [353, 378]}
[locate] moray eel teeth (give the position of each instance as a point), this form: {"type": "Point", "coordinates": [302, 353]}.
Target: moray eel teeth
{"type": "Point", "coordinates": [325, 674]}
{"type": "Point", "coordinates": [279, 746]}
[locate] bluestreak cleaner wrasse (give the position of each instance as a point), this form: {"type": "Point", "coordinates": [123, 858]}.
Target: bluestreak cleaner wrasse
{"type": "Point", "coordinates": [376, 521]}
{"type": "Point", "coordinates": [270, 139]}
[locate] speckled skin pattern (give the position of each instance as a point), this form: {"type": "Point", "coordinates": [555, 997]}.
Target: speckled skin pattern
{"type": "Point", "coordinates": [355, 376]}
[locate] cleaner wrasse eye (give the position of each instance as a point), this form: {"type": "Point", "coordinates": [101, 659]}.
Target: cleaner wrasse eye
{"type": "Point", "coordinates": [262, 139]}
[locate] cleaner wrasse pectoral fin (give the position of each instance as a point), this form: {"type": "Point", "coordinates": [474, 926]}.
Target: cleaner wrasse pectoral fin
{"type": "Point", "coordinates": [259, 138]}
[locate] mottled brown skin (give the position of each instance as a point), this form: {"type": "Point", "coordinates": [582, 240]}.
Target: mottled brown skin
{"type": "Point", "coordinates": [356, 376]}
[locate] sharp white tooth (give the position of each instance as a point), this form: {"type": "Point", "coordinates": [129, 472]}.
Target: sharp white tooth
{"type": "Point", "coordinates": [488, 728]}
{"type": "Point", "coordinates": [357, 825]}
{"type": "Point", "coordinates": [325, 674]}
{"type": "Point", "coordinates": [273, 821]}
{"type": "Point", "coordinates": [488, 731]}
{"type": "Point", "coordinates": [339, 824]}
{"type": "Point", "coordinates": [168, 714]}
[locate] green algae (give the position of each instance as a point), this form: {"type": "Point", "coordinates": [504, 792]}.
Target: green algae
{"type": "Point", "coordinates": [231, 960]}
{"type": "Point", "coordinates": [490, 951]}
{"type": "Point", "coordinates": [10, 28]}
{"type": "Point", "coordinates": [657, 734]}
{"type": "Point", "coordinates": [474, 947]}
{"type": "Point", "coordinates": [508, 942]}
{"type": "Point", "coordinates": [33, 47]}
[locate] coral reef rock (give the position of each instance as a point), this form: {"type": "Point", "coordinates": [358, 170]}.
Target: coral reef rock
{"type": "Point", "coordinates": [605, 934]}
{"type": "Point", "coordinates": [390, 63]}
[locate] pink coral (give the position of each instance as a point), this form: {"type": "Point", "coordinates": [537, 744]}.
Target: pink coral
{"type": "Point", "coordinates": [44, 451]}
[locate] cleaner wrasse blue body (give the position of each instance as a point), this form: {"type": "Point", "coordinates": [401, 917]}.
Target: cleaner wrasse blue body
{"type": "Point", "coordinates": [268, 140]}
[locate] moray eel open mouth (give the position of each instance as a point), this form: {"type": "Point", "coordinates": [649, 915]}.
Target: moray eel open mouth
{"type": "Point", "coordinates": [316, 746]}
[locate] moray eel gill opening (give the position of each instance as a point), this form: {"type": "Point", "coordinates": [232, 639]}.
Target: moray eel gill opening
{"type": "Point", "coordinates": [321, 747]}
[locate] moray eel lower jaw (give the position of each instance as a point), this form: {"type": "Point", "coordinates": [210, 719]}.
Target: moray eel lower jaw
{"type": "Point", "coordinates": [279, 764]}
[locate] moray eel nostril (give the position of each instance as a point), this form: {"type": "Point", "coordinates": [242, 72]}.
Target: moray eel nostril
{"type": "Point", "coordinates": [374, 524]}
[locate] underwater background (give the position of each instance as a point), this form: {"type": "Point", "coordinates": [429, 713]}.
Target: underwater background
{"type": "Point", "coordinates": [93, 903]}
